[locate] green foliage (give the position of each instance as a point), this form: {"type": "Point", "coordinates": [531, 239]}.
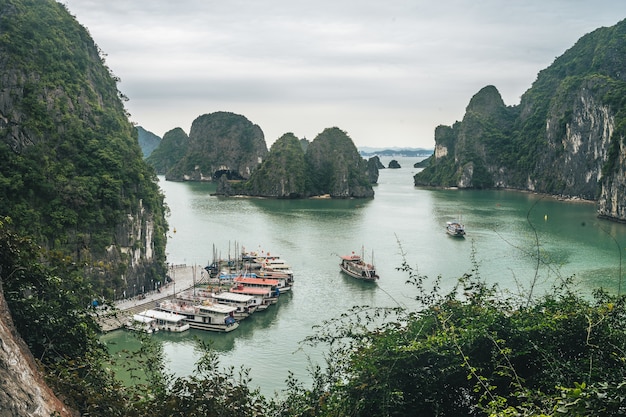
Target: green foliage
{"type": "Point", "coordinates": [472, 351]}
{"type": "Point", "coordinates": [518, 142]}
{"type": "Point", "coordinates": [71, 169]}
{"type": "Point", "coordinates": [171, 149]}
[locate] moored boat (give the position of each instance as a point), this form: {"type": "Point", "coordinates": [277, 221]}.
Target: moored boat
{"type": "Point", "coordinates": [354, 266]}
{"type": "Point", "coordinates": [142, 324]}
{"type": "Point", "coordinates": [166, 321]}
{"type": "Point", "coordinates": [205, 316]}
{"type": "Point", "coordinates": [455, 228]}
{"type": "Point", "coordinates": [263, 296]}
{"type": "Point", "coordinates": [245, 304]}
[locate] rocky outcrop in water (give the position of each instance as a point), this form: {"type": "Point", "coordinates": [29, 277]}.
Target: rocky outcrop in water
{"type": "Point", "coordinates": [220, 143]}
{"type": "Point", "coordinates": [330, 166]}
{"type": "Point", "coordinates": [564, 138]}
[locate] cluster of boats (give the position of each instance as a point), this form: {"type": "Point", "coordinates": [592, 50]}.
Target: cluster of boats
{"type": "Point", "coordinates": [232, 297]}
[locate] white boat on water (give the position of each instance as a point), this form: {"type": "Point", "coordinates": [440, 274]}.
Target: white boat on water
{"type": "Point", "coordinates": [245, 304]}
{"type": "Point", "coordinates": [166, 321]}
{"type": "Point", "coordinates": [142, 324]}
{"type": "Point", "coordinates": [214, 317]}
{"type": "Point", "coordinates": [455, 228]}
{"type": "Point", "coordinates": [354, 266]}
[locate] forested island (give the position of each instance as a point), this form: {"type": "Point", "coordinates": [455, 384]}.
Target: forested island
{"type": "Point", "coordinates": [82, 216]}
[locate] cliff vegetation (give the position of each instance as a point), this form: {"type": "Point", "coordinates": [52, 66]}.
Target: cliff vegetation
{"type": "Point", "coordinates": [71, 170]}
{"type": "Point", "coordinates": [331, 165]}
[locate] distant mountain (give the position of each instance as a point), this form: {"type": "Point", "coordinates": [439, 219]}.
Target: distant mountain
{"type": "Point", "coordinates": [395, 151]}
{"type": "Point", "coordinates": [148, 141]}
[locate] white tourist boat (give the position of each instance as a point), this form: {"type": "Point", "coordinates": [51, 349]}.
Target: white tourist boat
{"type": "Point", "coordinates": [209, 316]}
{"type": "Point", "coordinates": [245, 304]}
{"type": "Point", "coordinates": [166, 321]}
{"type": "Point", "coordinates": [142, 324]}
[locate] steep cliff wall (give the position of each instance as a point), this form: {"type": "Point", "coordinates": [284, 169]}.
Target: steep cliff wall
{"type": "Point", "coordinates": [72, 173]}
{"type": "Point", "coordinates": [564, 138]}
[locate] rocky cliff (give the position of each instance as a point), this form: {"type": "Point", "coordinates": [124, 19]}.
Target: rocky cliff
{"type": "Point", "coordinates": [171, 150]}
{"type": "Point", "coordinates": [564, 138]}
{"type": "Point", "coordinates": [220, 143]}
{"type": "Point", "coordinates": [72, 174]}
{"type": "Point", "coordinates": [331, 165]}
{"type": "Point", "coordinates": [23, 391]}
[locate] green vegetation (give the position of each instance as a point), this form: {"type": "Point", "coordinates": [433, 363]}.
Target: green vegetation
{"type": "Point", "coordinates": [330, 165]}
{"type": "Point", "coordinates": [172, 149]}
{"type": "Point", "coordinates": [283, 172]}
{"type": "Point", "coordinates": [71, 169]}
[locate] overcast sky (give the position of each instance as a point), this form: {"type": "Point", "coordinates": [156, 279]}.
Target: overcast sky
{"type": "Point", "coordinates": [387, 71]}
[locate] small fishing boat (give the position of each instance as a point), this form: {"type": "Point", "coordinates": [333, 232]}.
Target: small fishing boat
{"type": "Point", "coordinates": [455, 228]}
{"type": "Point", "coordinates": [354, 266]}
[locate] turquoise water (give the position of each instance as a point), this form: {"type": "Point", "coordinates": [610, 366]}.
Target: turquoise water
{"type": "Point", "coordinates": [505, 231]}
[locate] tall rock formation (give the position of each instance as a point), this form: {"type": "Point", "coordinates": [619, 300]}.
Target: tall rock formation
{"type": "Point", "coordinates": [331, 165]}
{"type": "Point", "coordinates": [72, 173]}
{"type": "Point", "coordinates": [220, 143]}
{"type": "Point", "coordinates": [171, 150]}
{"type": "Point", "coordinates": [283, 172]}
{"type": "Point", "coordinates": [564, 138]}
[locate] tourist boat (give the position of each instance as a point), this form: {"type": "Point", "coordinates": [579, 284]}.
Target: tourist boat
{"type": "Point", "coordinates": [263, 296]}
{"type": "Point", "coordinates": [165, 321]}
{"type": "Point", "coordinates": [142, 324]}
{"type": "Point", "coordinates": [455, 228]}
{"type": "Point", "coordinates": [285, 281]}
{"type": "Point", "coordinates": [276, 265]}
{"type": "Point", "coordinates": [209, 316]}
{"type": "Point", "coordinates": [245, 304]}
{"type": "Point", "coordinates": [356, 267]}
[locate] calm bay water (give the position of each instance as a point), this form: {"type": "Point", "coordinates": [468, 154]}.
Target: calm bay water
{"type": "Point", "coordinates": [503, 229]}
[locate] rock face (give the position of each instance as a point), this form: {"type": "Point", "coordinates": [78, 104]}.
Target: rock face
{"type": "Point", "coordinates": [148, 141]}
{"type": "Point", "coordinates": [373, 167]}
{"type": "Point", "coordinates": [564, 138]}
{"type": "Point", "coordinates": [393, 164]}
{"type": "Point", "coordinates": [220, 143]}
{"type": "Point", "coordinates": [73, 175]}
{"type": "Point", "coordinates": [22, 389]}
{"type": "Point", "coordinates": [282, 174]}
{"type": "Point", "coordinates": [330, 166]}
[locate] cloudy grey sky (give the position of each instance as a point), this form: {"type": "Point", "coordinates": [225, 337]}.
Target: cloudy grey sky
{"type": "Point", "coordinates": [385, 71]}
